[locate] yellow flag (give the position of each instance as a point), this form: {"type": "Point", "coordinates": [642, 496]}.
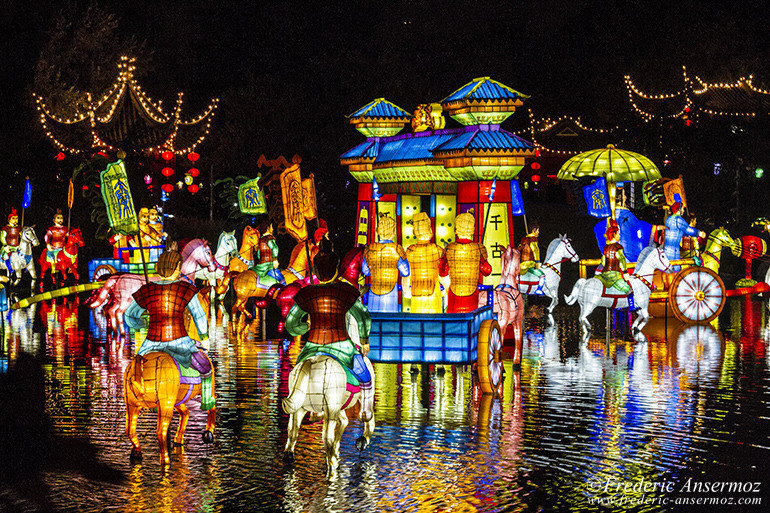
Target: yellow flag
{"type": "Point", "coordinates": [310, 210]}
{"type": "Point", "coordinates": [292, 195]}
{"type": "Point", "coordinates": [70, 194]}
{"type": "Point", "coordinates": [672, 188]}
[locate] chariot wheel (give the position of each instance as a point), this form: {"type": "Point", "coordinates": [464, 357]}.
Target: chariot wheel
{"type": "Point", "coordinates": [102, 271]}
{"type": "Point", "coordinates": [697, 295]}
{"type": "Point", "coordinates": [489, 363]}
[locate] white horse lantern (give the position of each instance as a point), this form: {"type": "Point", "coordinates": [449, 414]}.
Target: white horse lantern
{"type": "Point", "coordinates": [559, 250]}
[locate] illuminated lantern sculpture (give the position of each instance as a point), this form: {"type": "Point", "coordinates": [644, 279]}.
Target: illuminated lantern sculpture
{"type": "Point", "coordinates": [464, 261]}
{"type": "Point", "coordinates": [676, 228]}
{"type": "Point", "coordinates": [424, 258]}
{"type": "Point", "coordinates": [154, 377]}
{"type": "Point", "coordinates": [332, 373]}
{"type": "Point", "coordinates": [441, 170]}
{"type": "Point", "coordinates": [383, 262]}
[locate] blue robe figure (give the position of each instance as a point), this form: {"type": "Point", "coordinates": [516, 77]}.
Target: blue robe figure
{"type": "Point", "coordinates": [676, 228]}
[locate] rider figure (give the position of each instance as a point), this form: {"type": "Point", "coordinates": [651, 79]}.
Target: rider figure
{"type": "Point", "coordinates": [424, 258]}
{"type": "Point", "coordinates": [327, 304]}
{"type": "Point", "coordinates": [267, 253]}
{"type": "Point", "coordinates": [530, 256]}
{"type": "Point", "coordinates": [10, 238]}
{"type": "Point", "coordinates": [464, 261]}
{"type": "Point", "coordinates": [299, 265]}
{"type": "Point", "coordinates": [166, 301]}
{"type": "Point", "coordinates": [55, 238]}
{"type": "Point", "coordinates": [676, 228]}
{"type": "Point", "coordinates": [121, 242]}
{"type": "Point", "coordinates": [613, 260]}
{"type": "Point", "coordinates": [690, 247]}
{"type": "Point", "coordinates": [383, 262]}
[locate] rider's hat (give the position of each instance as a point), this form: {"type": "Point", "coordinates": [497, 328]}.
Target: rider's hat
{"type": "Point", "coordinates": [12, 214]}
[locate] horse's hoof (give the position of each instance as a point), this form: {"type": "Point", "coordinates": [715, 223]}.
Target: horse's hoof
{"type": "Point", "coordinates": [208, 437]}
{"type": "Point", "coordinates": [288, 456]}
{"type": "Point", "coordinates": [361, 443]}
{"type": "Point", "coordinates": [136, 455]}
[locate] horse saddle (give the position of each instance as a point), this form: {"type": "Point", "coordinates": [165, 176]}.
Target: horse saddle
{"type": "Point", "coordinates": [530, 281]}
{"type": "Point", "coordinates": [358, 376]}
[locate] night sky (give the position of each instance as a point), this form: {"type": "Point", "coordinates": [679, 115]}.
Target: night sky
{"type": "Point", "coordinates": [289, 72]}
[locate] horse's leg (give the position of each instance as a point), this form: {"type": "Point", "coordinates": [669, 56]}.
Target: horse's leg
{"type": "Point", "coordinates": [585, 310]}
{"type": "Point", "coordinates": [165, 415]}
{"type": "Point", "coordinates": [554, 297]}
{"type": "Point", "coordinates": [642, 316]}
{"type": "Point", "coordinates": [211, 415]}
{"type": "Point", "coordinates": [132, 417]}
{"type": "Point", "coordinates": [184, 416]}
{"type": "Point", "coordinates": [330, 441]}
{"type": "Point", "coordinates": [292, 430]}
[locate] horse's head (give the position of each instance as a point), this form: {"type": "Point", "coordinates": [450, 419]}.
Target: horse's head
{"type": "Point", "coordinates": [560, 249]}
{"type": "Point", "coordinates": [659, 259]}
{"type": "Point", "coordinates": [75, 238]}
{"type": "Point", "coordinates": [204, 256]}
{"type": "Point", "coordinates": [250, 237]}
{"type": "Point", "coordinates": [227, 244]}
{"type": "Point", "coordinates": [29, 236]}
{"type": "Point", "coordinates": [510, 263]}
{"type": "Point", "coordinates": [721, 238]}
{"type": "Point", "coordinates": [568, 249]}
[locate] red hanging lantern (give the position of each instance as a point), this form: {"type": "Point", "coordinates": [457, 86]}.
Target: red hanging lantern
{"type": "Point", "coordinates": [535, 178]}
{"type": "Point", "coordinates": [193, 188]}
{"type": "Point", "coordinates": [60, 156]}
{"type": "Point", "coordinates": [167, 171]}
{"type": "Point", "coordinates": [167, 188]}
{"type": "Point", "coordinates": [167, 155]}
{"type": "Point", "coordinates": [193, 157]}
{"type": "Point", "coordinates": [535, 165]}
{"type": "Point", "coordinates": [537, 153]}
{"type": "Point", "coordinates": [194, 171]}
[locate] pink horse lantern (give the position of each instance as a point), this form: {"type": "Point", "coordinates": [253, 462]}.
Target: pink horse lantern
{"type": "Point", "coordinates": [121, 286]}
{"type": "Point", "coordinates": [508, 302]}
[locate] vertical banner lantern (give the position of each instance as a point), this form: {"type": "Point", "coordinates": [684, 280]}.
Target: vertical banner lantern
{"type": "Point", "coordinates": [293, 203]}
{"type": "Point", "coordinates": [26, 199]}
{"type": "Point", "coordinates": [597, 199]}
{"type": "Point", "coordinates": [251, 198]}
{"type": "Point", "coordinates": [118, 200]}
{"type": "Point", "coordinates": [672, 188]}
{"type": "Point", "coordinates": [517, 203]}
{"type": "Point", "coordinates": [310, 209]}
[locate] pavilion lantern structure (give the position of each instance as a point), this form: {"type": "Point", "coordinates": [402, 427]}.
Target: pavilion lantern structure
{"type": "Point", "coordinates": [126, 118]}
{"type": "Point", "coordinates": [438, 170]}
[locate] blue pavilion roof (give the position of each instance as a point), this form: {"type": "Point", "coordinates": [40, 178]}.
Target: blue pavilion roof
{"type": "Point", "coordinates": [421, 145]}
{"type": "Point", "coordinates": [484, 88]}
{"type": "Point", "coordinates": [380, 108]}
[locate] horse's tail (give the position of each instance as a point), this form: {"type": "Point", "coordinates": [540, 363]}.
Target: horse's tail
{"type": "Point", "coordinates": [297, 396]}
{"type": "Point", "coordinates": [136, 381]}
{"type": "Point", "coordinates": [570, 300]}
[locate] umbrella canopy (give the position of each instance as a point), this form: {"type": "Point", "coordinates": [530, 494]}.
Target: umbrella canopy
{"type": "Point", "coordinates": [614, 164]}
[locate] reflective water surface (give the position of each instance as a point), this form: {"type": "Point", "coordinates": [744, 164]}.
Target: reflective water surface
{"type": "Point", "coordinates": [652, 422]}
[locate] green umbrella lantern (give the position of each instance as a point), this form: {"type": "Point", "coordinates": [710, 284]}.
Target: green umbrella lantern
{"type": "Point", "coordinates": [613, 164]}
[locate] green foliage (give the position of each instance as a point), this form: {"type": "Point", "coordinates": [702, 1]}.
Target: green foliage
{"type": "Point", "coordinates": [229, 196]}
{"type": "Point", "coordinates": [80, 56]}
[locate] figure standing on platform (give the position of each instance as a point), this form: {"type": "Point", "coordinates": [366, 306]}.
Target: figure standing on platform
{"type": "Point", "coordinates": [529, 250]}
{"type": "Point", "coordinates": [424, 258]}
{"type": "Point", "coordinates": [10, 238]}
{"type": "Point", "coordinates": [267, 253]}
{"type": "Point", "coordinates": [613, 260]}
{"type": "Point", "coordinates": [690, 247]}
{"type": "Point", "coordinates": [301, 259]}
{"type": "Point", "coordinates": [55, 238]}
{"type": "Point", "coordinates": [676, 228]}
{"type": "Point", "coordinates": [383, 262]}
{"type": "Point", "coordinates": [166, 301]}
{"type": "Point", "coordinates": [465, 262]}
{"type": "Point", "coordinates": [157, 235]}
{"type": "Point", "coordinates": [121, 245]}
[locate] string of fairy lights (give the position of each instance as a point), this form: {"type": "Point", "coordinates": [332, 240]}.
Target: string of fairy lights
{"type": "Point", "coordinates": [689, 92]}
{"type": "Point", "coordinates": [126, 84]}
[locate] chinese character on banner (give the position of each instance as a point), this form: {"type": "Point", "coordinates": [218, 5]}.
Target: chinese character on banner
{"type": "Point", "coordinates": [251, 199]}
{"type": "Point", "coordinates": [117, 198]}
{"type": "Point", "coordinates": [310, 210]}
{"type": "Point", "coordinates": [292, 195]}
{"type": "Point", "coordinates": [596, 198]}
